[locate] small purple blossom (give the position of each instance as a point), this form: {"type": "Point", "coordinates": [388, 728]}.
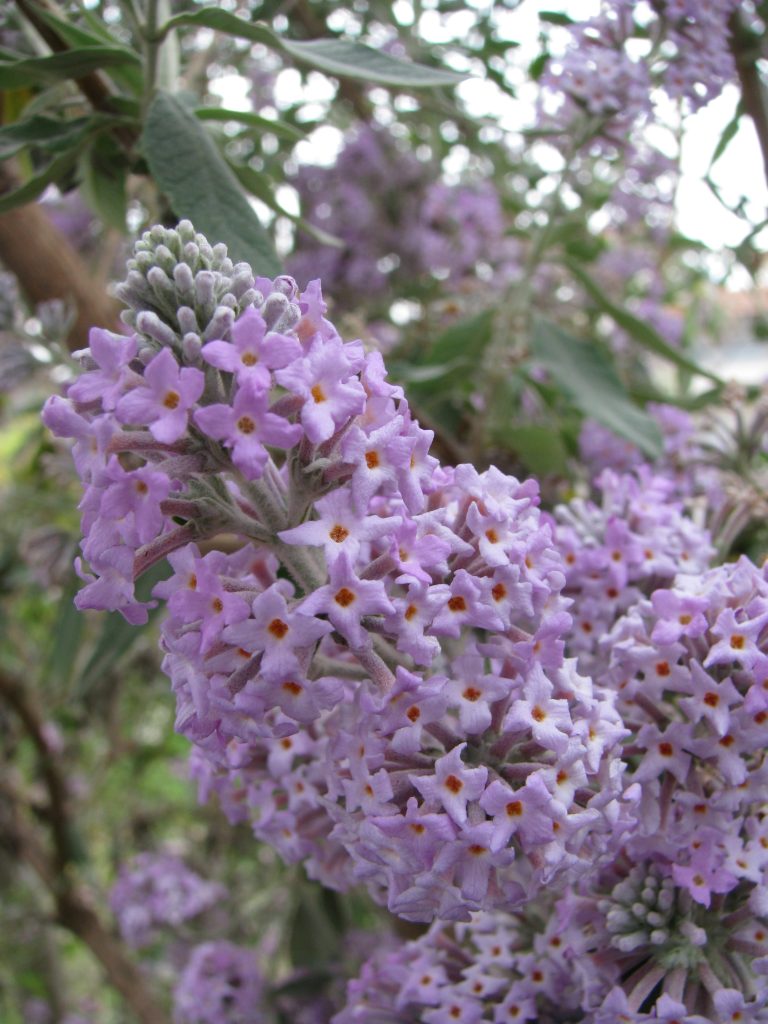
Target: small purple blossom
{"type": "Point", "coordinates": [246, 427]}
{"type": "Point", "coordinates": [164, 400]}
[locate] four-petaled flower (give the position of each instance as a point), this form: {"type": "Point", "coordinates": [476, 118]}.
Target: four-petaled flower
{"type": "Point", "coordinates": [246, 427]}
{"type": "Point", "coordinates": [164, 399]}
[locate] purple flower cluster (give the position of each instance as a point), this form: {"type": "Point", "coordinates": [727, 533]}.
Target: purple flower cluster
{"type": "Point", "coordinates": [378, 661]}
{"type": "Point", "coordinates": [397, 224]}
{"type": "Point", "coordinates": [599, 76]}
{"type": "Point", "coordinates": [703, 62]}
{"type": "Point", "coordinates": [675, 928]}
{"type": "Point", "coordinates": [596, 76]}
{"type": "Point", "coordinates": [477, 770]}
{"type": "Point", "coordinates": [511, 967]}
{"type": "Point", "coordinates": [157, 892]}
{"type": "Point", "coordinates": [460, 226]}
{"type": "Point", "coordinates": [701, 462]}
{"type": "Point", "coordinates": [615, 552]}
{"type": "Point", "coordinates": [375, 676]}
{"type": "Point", "coordinates": [221, 984]}
{"type": "Point", "coordinates": [369, 199]}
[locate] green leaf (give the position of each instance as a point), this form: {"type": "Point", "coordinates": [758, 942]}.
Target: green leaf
{"type": "Point", "coordinates": [356, 60]}
{"type": "Point", "coordinates": [556, 18]}
{"type": "Point", "coordinates": [58, 66]}
{"type": "Point", "coordinates": [65, 639]}
{"type": "Point", "coordinates": [48, 133]}
{"type": "Point", "coordinates": [727, 136]}
{"type": "Point", "coordinates": [540, 448]}
{"type": "Point", "coordinates": [264, 124]}
{"type": "Point", "coordinates": [415, 375]}
{"type": "Point", "coordinates": [333, 56]}
{"type": "Point", "coordinates": [457, 351]}
{"type": "Point", "coordinates": [315, 931]}
{"type": "Point", "coordinates": [76, 36]}
{"type": "Point", "coordinates": [73, 34]}
{"type": "Point", "coordinates": [537, 65]}
{"type": "Point", "coordinates": [589, 380]}
{"type": "Point", "coordinates": [638, 329]}
{"type": "Point", "coordinates": [223, 21]}
{"type": "Point", "coordinates": [188, 168]}
{"type": "Point", "coordinates": [55, 171]}
{"type": "Point", "coordinates": [104, 173]}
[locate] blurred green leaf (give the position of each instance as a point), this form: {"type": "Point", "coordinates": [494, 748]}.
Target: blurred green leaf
{"type": "Point", "coordinates": [222, 21]}
{"type": "Point", "coordinates": [638, 329]}
{"type": "Point", "coordinates": [50, 134]}
{"type": "Point", "coordinates": [556, 18]}
{"type": "Point", "coordinates": [588, 379]}
{"type": "Point", "coordinates": [356, 60]}
{"type": "Point", "coordinates": [537, 65]}
{"type": "Point", "coordinates": [264, 124]}
{"type": "Point", "coordinates": [65, 639]}
{"type": "Point", "coordinates": [55, 171]}
{"type": "Point", "coordinates": [333, 56]}
{"type": "Point", "coordinates": [189, 169]}
{"type": "Point", "coordinates": [315, 928]}
{"type": "Point", "coordinates": [76, 36]}
{"type": "Point", "coordinates": [451, 360]}
{"type": "Point", "coordinates": [118, 636]}
{"type": "Point", "coordinates": [58, 66]}
{"type": "Point", "coordinates": [727, 136]}
{"type": "Point", "coordinates": [540, 448]}
{"type": "Point", "coordinates": [104, 174]}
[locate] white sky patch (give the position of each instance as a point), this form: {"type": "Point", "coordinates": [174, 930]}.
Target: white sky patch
{"type": "Point", "coordinates": [322, 146]}
{"type": "Point", "coordinates": [233, 90]}
{"type": "Point", "coordinates": [739, 174]}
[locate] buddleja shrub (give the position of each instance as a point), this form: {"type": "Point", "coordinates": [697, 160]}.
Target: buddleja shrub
{"type": "Point", "coordinates": [375, 662]}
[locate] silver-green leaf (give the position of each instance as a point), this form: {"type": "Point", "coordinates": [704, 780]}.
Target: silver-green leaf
{"type": "Point", "coordinates": [188, 168]}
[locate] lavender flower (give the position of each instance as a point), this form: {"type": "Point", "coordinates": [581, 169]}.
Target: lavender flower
{"type": "Point", "coordinates": [154, 892]}
{"type": "Point", "coordinates": [408, 709]}
{"type": "Point", "coordinates": [221, 984]}
{"type": "Point", "coordinates": [312, 719]}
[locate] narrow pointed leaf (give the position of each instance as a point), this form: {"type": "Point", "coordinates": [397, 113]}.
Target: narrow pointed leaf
{"type": "Point", "coordinates": [128, 76]}
{"type": "Point", "coordinates": [286, 131]}
{"type": "Point", "coordinates": [638, 329]}
{"type": "Point", "coordinates": [588, 379]}
{"type": "Point", "coordinates": [356, 60]}
{"type": "Point", "coordinates": [48, 133]}
{"type": "Point", "coordinates": [333, 56]}
{"type": "Point", "coordinates": [35, 186]}
{"type": "Point", "coordinates": [70, 64]}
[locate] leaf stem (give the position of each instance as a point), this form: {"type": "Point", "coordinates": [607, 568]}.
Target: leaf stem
{"type": "Point", "coordinates": [152, 45]}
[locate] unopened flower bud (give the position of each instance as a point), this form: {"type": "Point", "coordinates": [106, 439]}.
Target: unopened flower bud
{"type": "Point", "coordinates": [151, 324]}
